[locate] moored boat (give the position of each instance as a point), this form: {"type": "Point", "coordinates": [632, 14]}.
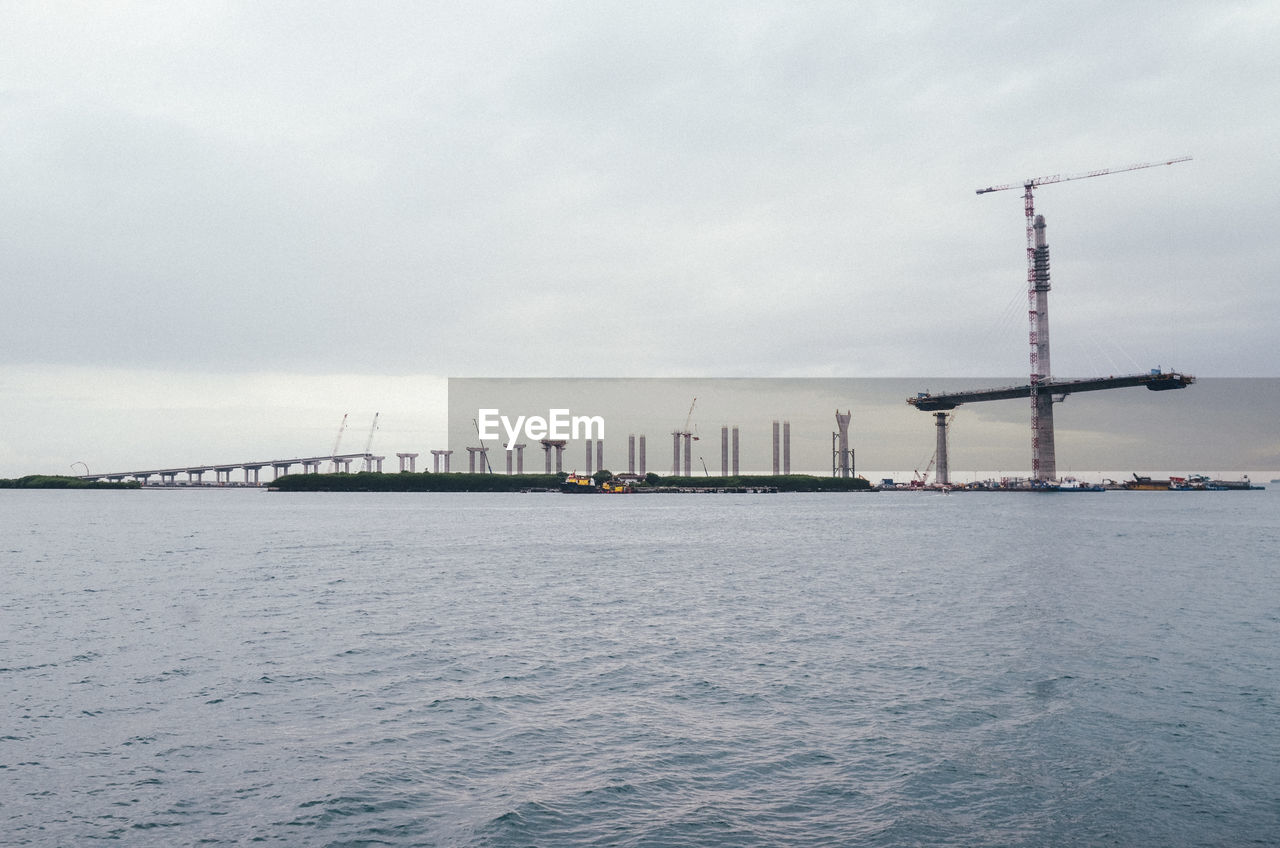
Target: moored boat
{"type": "Point", "coordinates": [576, 484]}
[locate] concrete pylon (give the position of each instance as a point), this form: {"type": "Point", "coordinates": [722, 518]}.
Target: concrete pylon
{"type": "Point", "coordinates": [631, 454]}
{"type": "Point", "coordinates": [1044, 461]}
{"type": "Point", "coordinates": [777, 452]}
{"type": "Point", "coordinates": [944, 471]}
{"type": "Point", "coordinates": [735, 451]}
{"type": "Point", "coordinates": [641, 460]}
{"type": "Point", "coordinates": [437, 456]}
{"type": "Point", "coordinates": [408, 459]}
{"type": "Point", "coordinates": [842, 428]}
{"type": "Point", "coordinates": [590, 455]}
{"type": "Point", "coordinates": [600, 455]}
{"type": "Point", "coordinates": [558, 445]}
{"type": "Point", "coordinates": [675, 454]}
{"type": "Point", "coordinates": [786, 447]}
{"type": "Point", "coordinates": [724, 451]}
{"type": "Point", "coordinates": [688, 454]}
{"type": "Point", "coordinates": [519, 458]}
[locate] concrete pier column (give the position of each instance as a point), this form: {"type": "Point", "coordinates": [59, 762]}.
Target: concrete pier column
{"type": "Point", "coordinates": [410, 458]}
{"type": "Point", "coordinates": [377, 463]}
{"type": "Point", "coordinates": [944, 471]}
{"type": "Point", "coordinates": [279, 469]}
{"type": "Point", "coordinates": [675, 454]}
{"type": "Point", "coordinates": [724, 451]}
{"type": "Point", "coordinates": [842, 430]}
{"type": "Point", "coordinates": [688, 454]}
{"type": "Point", "coordinates": [786, 447]}
{"type": "Point", "coordinates": [471, 460]}
{"type": "Point", "coordinates": [735, 451]}
{"type": "Point", "coordinates": [631, 454]}
{"type": "Point", "coordinates": [546, 452]}
{"type": "Point", "coordinates": [642, 470]}
{"type": "Point", "coordinates": [600, 455]}
{"type": "Point", "coordinates": [519, 458]}
{"type": "Point", "coordinates": [510, 459]}
{"type": "Point", "coordinates": [559, 446]}
{"type": "Point", "coordinates": [251, 475]}
{"type": "Point", "coordinates": [777, 452]}
{"type": "Point", "coordinates": [589, 457]}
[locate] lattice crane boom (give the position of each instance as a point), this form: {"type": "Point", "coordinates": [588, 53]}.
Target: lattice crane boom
{"type": "Point", "coordinates": [1062, 178]}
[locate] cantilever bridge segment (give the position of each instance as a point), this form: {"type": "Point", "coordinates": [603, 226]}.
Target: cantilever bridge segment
{"type": "Point", "coordinates": [1049, 391]}
{"type": "Point", "coordinates": [1156, 381]}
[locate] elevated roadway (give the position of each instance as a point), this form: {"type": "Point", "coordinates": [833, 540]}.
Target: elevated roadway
{"type": "Point", "coordinates": [222, 471]}
{"type": "Point", "coordinates": [1155, 380]}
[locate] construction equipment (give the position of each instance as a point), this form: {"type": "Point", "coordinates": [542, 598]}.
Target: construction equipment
{"type": "Point", "coordinates": [1038, 309]}
{"type": "Point", "coordinates": [338, 440]}
{"type": "Point", "coordinates": [689, 438]}
{"type": "Point", "coordinates": [368, 444]}
{"type": "Point", "coordinates": [689, 418]}
{"type": "Point", "coordinates": [484, 453]}
{"type": "Point", "coordinates": [922, 480]}
{"type": "Point", "coordinates": [1060, 178]}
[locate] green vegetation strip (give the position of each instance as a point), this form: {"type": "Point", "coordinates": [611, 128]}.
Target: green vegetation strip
{"type": "Point", "coordinates": [457, 482]}
{"type": "Point", "coordinates": [366, 481]}
{"type": "Point", "coordinates": [43, 481]}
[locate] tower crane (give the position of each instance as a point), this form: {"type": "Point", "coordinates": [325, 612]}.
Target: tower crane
{"type": "Point", "coordinates": [689, 418]}
{"type": "Point", "coordinates": [337, 440]}
{"type": "Point", "coordinates": [689, 438]}
{"type": "Point", "coordinates": [1038, 304]}
{"type": "Point", "coordinates": [368, 444]}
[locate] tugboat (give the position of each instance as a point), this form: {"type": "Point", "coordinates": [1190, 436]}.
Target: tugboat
{"type": "Point", "coordinates": [579, 484]}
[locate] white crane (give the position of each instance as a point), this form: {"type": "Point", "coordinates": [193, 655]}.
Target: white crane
{"type": "Point", "coordinates": [338, 440]}
{"type": "Point", "coordinates": [368, 444]}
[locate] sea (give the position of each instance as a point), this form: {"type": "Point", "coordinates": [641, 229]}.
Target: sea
{"type": "Point", "coordinates": [241, 667]}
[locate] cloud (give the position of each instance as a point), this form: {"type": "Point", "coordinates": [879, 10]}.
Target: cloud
{"type": "Point", "coordinates": [736, 189]}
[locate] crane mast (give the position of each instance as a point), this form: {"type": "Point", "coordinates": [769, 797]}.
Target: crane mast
{"type": "Point", "coordinates": [368, 445]}
{"type": "Point", "coordinates": [1043, 465]}
{"type": "Point", "coordinates": [338, 440]}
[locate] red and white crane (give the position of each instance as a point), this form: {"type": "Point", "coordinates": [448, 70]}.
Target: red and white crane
{"type": "Point", "coordinates": [1042, 452]}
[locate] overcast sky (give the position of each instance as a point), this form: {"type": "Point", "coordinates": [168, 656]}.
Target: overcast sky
{"type": "Point", "coordinates": [224, 225]}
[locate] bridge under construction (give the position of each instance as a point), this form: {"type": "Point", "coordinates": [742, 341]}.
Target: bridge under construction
{"type": "Point", "coordinates": [1041, 388]}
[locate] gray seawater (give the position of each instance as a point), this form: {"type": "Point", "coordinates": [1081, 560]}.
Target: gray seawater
{"type": "Point", "coordinates": [235, 667]}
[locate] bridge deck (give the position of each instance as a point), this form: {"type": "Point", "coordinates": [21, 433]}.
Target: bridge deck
{"type": "Point", "coordinates": [1156, 381]}
{"type": "Point", "coordinates": [227, 467]}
